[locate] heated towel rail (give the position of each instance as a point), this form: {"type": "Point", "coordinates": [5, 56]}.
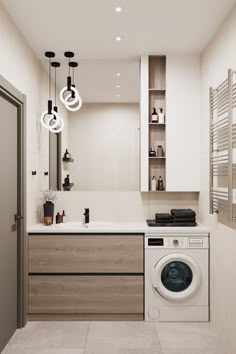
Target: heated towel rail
{"type": "Point", "coordinates": [222, 147]}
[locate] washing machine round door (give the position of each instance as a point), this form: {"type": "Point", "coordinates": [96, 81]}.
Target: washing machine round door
{"type": "Point", "coordinates": [176, 277]}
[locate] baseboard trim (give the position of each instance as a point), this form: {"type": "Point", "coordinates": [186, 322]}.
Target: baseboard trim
{"type": "Point", "coordinates": [85, 317]}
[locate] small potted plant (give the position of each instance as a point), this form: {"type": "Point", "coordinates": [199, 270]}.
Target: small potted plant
{"type": "Point", "coordinates": [48, 197]}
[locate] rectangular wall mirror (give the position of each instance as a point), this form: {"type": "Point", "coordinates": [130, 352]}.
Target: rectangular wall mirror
{"type": "Point", "coordinates": [103, 136]}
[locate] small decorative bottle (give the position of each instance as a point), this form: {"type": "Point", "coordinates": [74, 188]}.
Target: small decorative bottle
{"type": "Point", "coordinates": [63, 216]}
{"type": "Point", "coordinates": [154, 184]}
{"type": "Point", "coordinates": [154, 116]}
{"type": "Point", "coordinates": [160, 151]}
{"type": "Point", "coordinates": [67, 155]}
{"type": "Point", "coordinates": [160, 184]}
{"type": "Point", "coordinates": [161, 117]}
{"type": "Point", "coordinates": [152, 152]}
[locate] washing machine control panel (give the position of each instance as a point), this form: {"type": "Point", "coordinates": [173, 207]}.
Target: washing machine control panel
{"type": "Point", "coordinates": [176, 242]}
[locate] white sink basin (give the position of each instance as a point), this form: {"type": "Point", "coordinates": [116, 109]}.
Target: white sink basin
{"type": "Point", "coordinates": [79, 225]}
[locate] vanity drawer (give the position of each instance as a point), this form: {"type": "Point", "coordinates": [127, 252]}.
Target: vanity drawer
{"type": "Point", "coordinates": [86, 254]}
{"type": "Point", "coordinates": [85, 294]}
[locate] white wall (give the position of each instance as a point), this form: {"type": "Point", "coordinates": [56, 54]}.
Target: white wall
{"type": "Point", "coordinates": [219, 55]}
{"type": "Point", "coordinates": [20, 66]}
{"type": "Point", "coordinates": [104, 142]}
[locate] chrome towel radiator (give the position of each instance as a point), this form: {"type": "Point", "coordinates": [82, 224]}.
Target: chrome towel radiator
{"type": "Point", "coordinates": [222, 147]}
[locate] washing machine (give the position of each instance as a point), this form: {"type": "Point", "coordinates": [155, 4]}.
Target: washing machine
{"type": "Point", "coordinates": [176, 277]}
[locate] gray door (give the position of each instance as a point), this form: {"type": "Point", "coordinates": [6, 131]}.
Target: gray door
{"type": "Point", "coordinates": [8, 228]}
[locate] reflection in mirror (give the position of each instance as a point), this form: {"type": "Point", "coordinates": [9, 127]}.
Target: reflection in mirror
{"type": "Point", "coordinates": [54, 161]}
{"type": "Point", "coordinates": [103, 136]}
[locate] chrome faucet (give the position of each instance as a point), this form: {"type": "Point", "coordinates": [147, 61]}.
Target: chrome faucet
{"type": "Point", "coordinates": [86, 216]}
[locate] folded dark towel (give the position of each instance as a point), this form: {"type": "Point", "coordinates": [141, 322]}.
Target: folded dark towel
{"type": "Point", "coordinates": [163, 218]}
{"type": "Point", "coordinates": [182, 212]}
{"type": "Point", "coordinates": [183, 219]}
{"type": "Point", "coordinates": [163, 215]}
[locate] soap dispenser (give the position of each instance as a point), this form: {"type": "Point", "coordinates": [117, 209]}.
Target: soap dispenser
{"type": "Point", "coordinates": [161, 116]}
{"type": "Point", "coordinates": [154, 184]}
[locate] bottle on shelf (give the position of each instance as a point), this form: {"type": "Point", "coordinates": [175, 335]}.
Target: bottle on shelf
{"type": "Point", "coordinates": [154, 116]}
{"type": "Point", "coordinates": [161, 116]}
{"type": "Point", "coordinates": [67, 181]}
{"type": "Point", "coordinates": [160, 184]}
{"type": "Point", "coordinates": [154, 184]}
{"type": "Point", "coordinates": [152, 152]}
{"type": "Point", "coordinates": [67, 155]}
{"type": "Point", "coordinates": [160, 151]}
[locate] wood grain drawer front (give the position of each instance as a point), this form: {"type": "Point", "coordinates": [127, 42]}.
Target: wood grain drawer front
{"type": "Point", "coordinates": [85, 294]}
{"type": "Point", "coordinates": [86, 254]}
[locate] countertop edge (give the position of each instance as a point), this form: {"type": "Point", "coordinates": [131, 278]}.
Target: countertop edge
{"type": "Point", "coordinates": [122, 228]}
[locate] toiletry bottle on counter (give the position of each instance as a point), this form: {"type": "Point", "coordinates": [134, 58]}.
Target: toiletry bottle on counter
{"type": "Point", "coordinates": [161, 117]}
{"type": "Point", "coordinates": [154, 116]}
{"type": "Point", "coordinates": [63, 216]}
{"type": "Point", "coordinates": [160, 184]}
{"type": "Point", "coordinates": [154, 184]}
{"type": "Point", "coordinates": [58, 218]}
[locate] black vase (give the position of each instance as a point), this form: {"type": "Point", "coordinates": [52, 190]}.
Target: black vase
{"type": "Point", "coordinates": [48, 209]}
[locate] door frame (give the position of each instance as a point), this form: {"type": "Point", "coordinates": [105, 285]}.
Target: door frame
{"type": "Point", "coordinates": [19, 100]}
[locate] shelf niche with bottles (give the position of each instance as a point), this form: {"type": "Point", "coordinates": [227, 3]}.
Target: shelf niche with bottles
{"type": "Point", "coordinates": [157, 123]}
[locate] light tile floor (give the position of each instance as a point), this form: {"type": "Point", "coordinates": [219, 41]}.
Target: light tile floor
{"type": "Point", "coordinates": [115, 338]}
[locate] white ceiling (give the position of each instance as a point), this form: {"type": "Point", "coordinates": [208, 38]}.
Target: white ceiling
{"type": "Point", "coordinates": [97, 80]}
{"type": "Point", "coordinates": [89, 27]}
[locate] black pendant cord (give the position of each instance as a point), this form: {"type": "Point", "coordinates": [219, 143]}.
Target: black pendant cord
{"type": "Point", "coordinates": [55, 65]}
{"type": "Point", "coordinates": [50, 73]}
{"type": "Point", "coordinates": [73, 65]}
{"type": "Point", "coordinates": [49, 55]}
{"type": "Point", "coordinates": [55, 80]}
{"type": "Point", "coordinates": [69, 55]}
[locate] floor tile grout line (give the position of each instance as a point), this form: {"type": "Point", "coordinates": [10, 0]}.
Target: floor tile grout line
{"type": "Point", "coordinates": [86, 341]}
{"type": "Point", "coordinates": [158, 336]}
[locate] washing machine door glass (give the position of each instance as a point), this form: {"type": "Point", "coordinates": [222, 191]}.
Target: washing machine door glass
{"type": "Point", "coordinates": [176, 277]}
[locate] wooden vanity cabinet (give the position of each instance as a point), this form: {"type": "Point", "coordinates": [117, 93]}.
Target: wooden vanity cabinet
{"type": "Point", "coordinates": [86, 277]}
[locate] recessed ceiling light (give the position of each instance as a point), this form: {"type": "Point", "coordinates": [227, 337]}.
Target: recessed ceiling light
{"type": "Point", "coordinates": [117, 74]}
{"type": "Point", "coordinates": [117, 86]}
{"type": "Point", "coordinates": [118, 9]}
{"type": "Point", "coordinates": [118, 38]}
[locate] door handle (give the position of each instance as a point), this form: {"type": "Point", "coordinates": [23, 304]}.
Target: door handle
{"type": "Point", "coordinates": [18, 217]}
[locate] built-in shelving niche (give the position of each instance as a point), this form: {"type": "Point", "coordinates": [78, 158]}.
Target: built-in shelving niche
{"type": "Point", "coordinates": [157, 99]}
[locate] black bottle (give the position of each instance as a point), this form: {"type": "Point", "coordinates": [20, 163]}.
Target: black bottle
{"type": "Point", "coordinates": [67, 155]}
{"type": "Point", "coordinates": [58, 218]}
{"type": "Point", "coordinates": [160, 184]}
{"type": "Point", "coordinates": [152, 153]}
{"type": "Point", "coordinates": [67, 181]}
{"type": "Point", "coordinates": [154, 116]}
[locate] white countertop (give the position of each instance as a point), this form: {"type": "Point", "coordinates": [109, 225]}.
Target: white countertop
{"type": "Point", "coordinates": [115, 227]}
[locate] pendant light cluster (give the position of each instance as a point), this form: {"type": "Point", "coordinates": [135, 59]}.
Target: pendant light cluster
{"type": "Point", "coordinates": [69, 95]}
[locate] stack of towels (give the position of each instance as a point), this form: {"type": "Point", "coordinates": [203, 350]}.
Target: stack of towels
{"type": "Point", "coordinates": [184, 216]}
{"type": "Point", "coordinates": [163, 218]}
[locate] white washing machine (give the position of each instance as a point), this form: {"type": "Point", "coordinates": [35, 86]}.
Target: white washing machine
{"type": "Point", "coordinates": [176, 277]}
